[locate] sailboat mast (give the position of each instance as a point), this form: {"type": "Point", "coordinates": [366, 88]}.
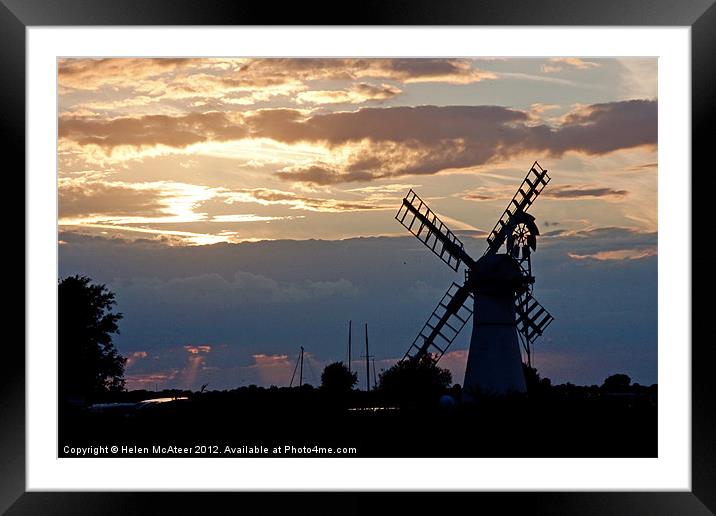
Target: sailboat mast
{"type": "Point", "coordinates": [350, 333]}
{"type": "Point", "coordinates": [367, 359]}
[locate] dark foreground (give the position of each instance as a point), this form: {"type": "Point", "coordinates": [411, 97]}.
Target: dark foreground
{"type": "Point", "coordinates": [307, 422]}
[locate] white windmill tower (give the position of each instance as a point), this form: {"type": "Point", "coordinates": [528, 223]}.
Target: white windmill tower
{"type": "Point", "coordinates": [500, 285]}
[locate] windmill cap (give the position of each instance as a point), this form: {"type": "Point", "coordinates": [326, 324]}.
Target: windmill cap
{"type": "Point", "coordinates": [498, 272]}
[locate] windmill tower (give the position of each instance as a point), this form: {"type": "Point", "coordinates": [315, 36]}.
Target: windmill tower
{"type": "Point", "coordinates": [497, 290]}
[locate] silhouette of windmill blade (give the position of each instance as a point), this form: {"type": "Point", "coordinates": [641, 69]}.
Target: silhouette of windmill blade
{"type": "Point", "coordinates": [444, 324]}
{"type": "Point", "coordinates": [532, 317]}
{"type": "Point", "coordinates": [531, 187]}
{"type": "Point", "coordinates": [422, 222]}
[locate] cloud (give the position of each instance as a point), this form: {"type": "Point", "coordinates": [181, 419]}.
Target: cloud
{"type": "Point", "coordinates": [168, 237]}
{"type": "Point", "coordinates": [387, 142]}
{"type": "Point", "coordinates": [384, 189]}
{"type": "Point", "coordinates": [557, 64]}
{"type": "Point", "coordinates": [602, 244]}
{"type": "Point", "coordinates": [138, 82]}
{"type": "Point", "coordinates": [92, 198]}
{"type": "Point", "coordinates": [267, 196]}
{"type": "Point", "coordinates": [643, 167]}
{"type": "Point", "coordinates": [168, 367]}
{"type": "Point", "coordinates": [617, 254]}
{"type": "Point", "coordinates": [161, 201]}
{"type": "Point", "coordinates": [210, 290]}
{"type": "Point", "coordinates": [151, 130]}
{"type": "Point", "coordinates": [190, 367]}
{"type": "Point", "coordinates": [247, 217]}
{"type": "Point", "coordinates": [272, 369]}
{"type": "Point", "coordinates": [148, 208]}
{"type": "Point", "coordinates": [460, 71]}
{"type": "Point", "coordinates": [100, 202]}
{"type": "Point", "coordinates": [356, 94]}
{"type": "Point", "coordinates": [397, 141]}
{"type": "Point", "coordinates": [422, 124]}
{"type": "Point", "coordinates": [489, 193]}
{"type": "Point", "coordinates": [540, 108]}
{"type": "Point", "coordinates": [91, 74]}
{"type": "Point", "coordinates": [196, 361]}
{"type": "Point", "coordinates": [151, 380]}
{"type": "Point", "coordinates": [582, 191]}
{"type": "Point", "coordinates": [590, 240]}
{"type": "Point", "coordinates": [566, 192]}
{"type": "Point", "coordinates": [134, 356]}
{"type": "Point", "coordinates": [195, 350]}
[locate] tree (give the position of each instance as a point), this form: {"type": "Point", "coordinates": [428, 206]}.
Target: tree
{"type": "Point", "coordinates": [535, 384]}
{"type": "Point", "coordinates": [415, 380]}
{"type": "Point", "coordinates": [89, 364]}
{"type": "Point", "coordinates": [337, 378]}
{"type": "Point", "coordinates": [616, 383]}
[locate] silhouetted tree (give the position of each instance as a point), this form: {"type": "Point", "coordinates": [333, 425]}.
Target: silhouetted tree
{"type": "Point", "coordinates": [88, 361]}
{"type": "Point", "coordinates": [415, 380]}
{"type": "Point", "coordinates": [337, 378]}
{"type": "Point", "coordinates": [616, 383]}
{"type": "Point", "coordinates": [534, 383]}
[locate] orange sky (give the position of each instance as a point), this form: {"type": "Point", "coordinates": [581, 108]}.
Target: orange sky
{"type": "Point", "coordinates": [198, 151]}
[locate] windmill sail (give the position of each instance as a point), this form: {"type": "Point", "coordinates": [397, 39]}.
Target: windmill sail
{"type": "Point", "coordinates": [532, 318]}
{"type": "Point", "coordinates": [422, 222]}
{"type": "Point", "coordinates": [443, 325]}
{"type": "Point", "coordinates": [533, 184]}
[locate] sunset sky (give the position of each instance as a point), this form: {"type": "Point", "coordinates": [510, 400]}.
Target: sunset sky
{"type": "Point", "coordinates": [194, 187]}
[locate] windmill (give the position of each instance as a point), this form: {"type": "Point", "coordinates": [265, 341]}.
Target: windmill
{"type": "Point", "coordinates": [499, 284]}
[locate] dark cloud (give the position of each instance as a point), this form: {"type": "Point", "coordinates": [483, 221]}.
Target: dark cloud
{"type": "Point", "coordinates": [356, 94]}
{"type": "Point", "coordinates": [408, 68]}
{"type": "Point", "coordinates": [554, 233]}
{"type": "Point", "coordinates": [150, 130]}
{"type": "Point", "coordinates": [270, 196]}
{"type": "Point", "coordinates": [475, 196]}
{"type": "Point", "coordinates": [556, 192]}
{"type": "Point", "coordinates": [603, 244]}
{"type": "Point", "coordinates": [428, 139]}
{"type": "Point", "coordinates": [90, 74]}
{"type": "Point", "coordinates": [372, 91]}
{"type": "Point", "coordinates": [423, 124]}
{"type": "Point", "coordinates": [401, 69]}
{"type": "Point", "coordinates": [644, 167]}
{"type": "Point", "coordinates": [325, 175]}
{"type": "Point", "coordinates": [98, 198]}
{"type": "Point", "coordinates": [603, 128]}
{"type": "Point", "coordinates": [388, 142]}
{"type": "Point", "coordinates": [93, 74]}
{"type": "Point", "coordinates": [581, 191]}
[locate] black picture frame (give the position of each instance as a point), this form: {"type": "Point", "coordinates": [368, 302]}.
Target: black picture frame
{"type": "Point", "coordinates": [699, 15]}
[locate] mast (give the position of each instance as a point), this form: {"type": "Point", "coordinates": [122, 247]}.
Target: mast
{"type": "Point", "coordinates": [350, 333]}
{"type": "Point", "coordinates": [300, 375]}
{"type": "Point", "coordinates": [367, 360]}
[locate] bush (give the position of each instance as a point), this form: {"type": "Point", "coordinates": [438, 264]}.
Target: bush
{"type": "Point", "coordinates": [418, 381]}
{"type": "Point", "coordinates": [336, 378]}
